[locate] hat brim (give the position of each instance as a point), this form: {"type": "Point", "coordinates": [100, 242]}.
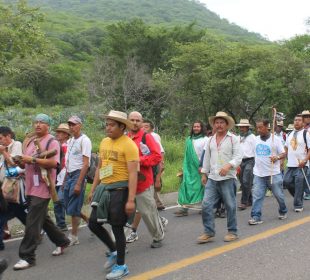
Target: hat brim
{"type": "Point", "coordinates": [121, 120]}
{"type": "Point", "coordinates": [63, 130]}
{"type": "Point", "coordinates": [243, 124]}
{"type": "Point", "coordinates": [230, 121]}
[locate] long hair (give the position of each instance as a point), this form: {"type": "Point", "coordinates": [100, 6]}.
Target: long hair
{"type": "Point", "coordinates": [202, 128]}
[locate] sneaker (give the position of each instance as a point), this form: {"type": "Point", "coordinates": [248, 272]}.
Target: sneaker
{"type": "Point", "coordinates": [298, 210]}
{"type": "Point", "coordinates": [6, 235]}
{"type": "Point", "coordinates": [181, 213]}
{"type": "Point", "coordinates": [60, 250]}
{"type": "Point", "coordinates": [22, 264]}
{"type": "Point", "coordinates": [255, 221]}
{"type": "Point", "coordinates": [204, 238]}
{"type": "Point", "coordinates": [268, 193]}
{"type": "Point", "coordinates": [132, 237]}
{"type": "Point", "coordinates": [74, 240]}
{"type": "Point", "coordinates": [282, 216]}
{"type": "Point", "coordinates": [118, 272]}
{"type": "Point", "coordinates": [111, 260]}
{"type": "Point", "coordinates": [307, 197]}
{"type": "Point", "coordinates": [164, 221]}
{"type": "Point", "coordinates": [161, 208]}
{"type": "Point", "coordinates": [230, 237]}
{"type": "Point", "coordinates": [156, 244]}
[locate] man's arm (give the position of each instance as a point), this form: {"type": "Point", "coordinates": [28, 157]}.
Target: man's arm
{"type": "Point", "coordinates": [77, 187]}
{"type": "Point", "coordinates": [132, 186]}
{"type": "Point", "coordinates": [205, 170]}
{"type": "Point", "coordinates": [96, 182]}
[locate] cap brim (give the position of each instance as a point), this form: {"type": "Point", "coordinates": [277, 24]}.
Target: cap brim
{"type": "Point", "coordinates": [63, 130]}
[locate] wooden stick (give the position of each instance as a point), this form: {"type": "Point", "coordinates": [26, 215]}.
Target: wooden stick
{"type": "Point", "coordinates": [274, 111]}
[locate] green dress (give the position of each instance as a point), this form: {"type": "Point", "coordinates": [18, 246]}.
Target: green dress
{"type": "Point", "coordinates": [191, 190]}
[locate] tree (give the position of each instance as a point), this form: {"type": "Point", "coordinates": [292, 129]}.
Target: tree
{"type": "Point", "coordinates": [20, 34]}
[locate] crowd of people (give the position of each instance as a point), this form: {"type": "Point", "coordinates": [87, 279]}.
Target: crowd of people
{"type": "Point", "coordinates": [127, 179]}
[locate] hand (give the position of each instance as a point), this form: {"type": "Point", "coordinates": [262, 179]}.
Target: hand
{"type": "Point", "coordinates": [77, 190]}
{"type": "Point", "coordinates": [225, 169]}
{"type": "Point", "coordinates": [302, 163]}
{"type": "Point", "coordinates": [130, 207]}
{"type": "Point", "coordinates": [199, 170]}
{"type": "Point", "coordinates": [204, 179]}
{"type": "Point", "coordinates": [2, 149]}
{"type": "Point", "coordinates": [157, 184]}
{"type": "Point", "coordinates": [26, 159]}
{"type": "Point", "coordinates": [273, 159]}
{"type": "Point", "coordinates": [90, 197]}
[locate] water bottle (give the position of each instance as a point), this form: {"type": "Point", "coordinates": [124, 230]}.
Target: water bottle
{"type": "Point", "coordinates": [144, 149]}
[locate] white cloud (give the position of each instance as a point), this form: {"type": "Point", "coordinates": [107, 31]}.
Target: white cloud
{"type": "Point", "coordinates": [274, 19]}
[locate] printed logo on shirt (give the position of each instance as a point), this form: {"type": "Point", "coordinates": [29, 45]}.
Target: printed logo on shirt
{"type": "Point", "coordinates": [110, 155]}
{"type": "Point", "coordinates": [263, 150]}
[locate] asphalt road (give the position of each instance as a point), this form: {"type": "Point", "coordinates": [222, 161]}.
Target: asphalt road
{"type": "Point", "coordinates": [273, 250]}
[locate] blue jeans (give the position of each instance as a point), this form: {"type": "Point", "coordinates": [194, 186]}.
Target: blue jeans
{"type": "Point", "coordinates": [214, 191]}
{"type": "Point", "coordinates": [295, 182]}
{"type": "Point", "coordinates": [260, 186]}
{"type": "Point", "coordinates": [73, 203]}
{"type": "Point", "coordinates": [14, 210]}
{"type": "Point", "coordinates": [59, 208]}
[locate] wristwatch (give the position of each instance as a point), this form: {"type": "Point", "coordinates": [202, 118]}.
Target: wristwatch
{"type": "Point", "coordinates": [33, 160]}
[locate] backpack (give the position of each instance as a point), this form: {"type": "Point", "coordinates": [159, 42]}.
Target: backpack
{"type": "Point", "coordinates": [94, 161]}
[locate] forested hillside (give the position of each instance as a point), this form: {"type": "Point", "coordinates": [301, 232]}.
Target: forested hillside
{"type": "Point", "coordinates": [76, 55]}
{"type": "Point", "coordinates": [168, 12]}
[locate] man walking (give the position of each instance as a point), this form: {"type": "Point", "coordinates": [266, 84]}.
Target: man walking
{"type": "Point", "coordinates": [62, 136]}
{"type": "Point", "coordinates": [150, 156]}
{"type": "Point", "coordinates": [37, 190]}
{"type": "Point", "coordinates": [158, 169]}
{"type": "Point", "coordinates": [269, 151]}
{"type": "Point", "coordinates": [306, 120]}
{"type": "Point", "coordinates": [298, 154]}
{"type": "Point", "coordinates": [77, 164]}
{"type": "Point", "coordinates": [113, 199]}
{"type": "Point", "coordinates": [222, 156]}
{"type": "Point", "coordinates": [247, 144]}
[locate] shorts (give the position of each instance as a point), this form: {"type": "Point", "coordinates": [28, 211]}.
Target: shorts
{"type": "Point", "coordinates": [73, 203]}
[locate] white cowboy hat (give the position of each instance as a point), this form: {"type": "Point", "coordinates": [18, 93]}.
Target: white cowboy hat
{"type": "Point", "coordinates": [290, 127]}
{"type": "Point", "coordinates": [120, 117]}
{"type": "Point", "coordinates": [305, 113]}
{"type": "Point", "coordinates": [244, 122]}
{"type": "Point", "coordinates": [222, 115]}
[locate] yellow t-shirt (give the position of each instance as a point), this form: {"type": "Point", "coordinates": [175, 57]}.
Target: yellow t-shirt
{"type": "Point", "coordinates": [117, 153]}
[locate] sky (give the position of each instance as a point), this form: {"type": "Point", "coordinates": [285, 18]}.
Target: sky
{"type": "Point", "coordinates": [273, 19]}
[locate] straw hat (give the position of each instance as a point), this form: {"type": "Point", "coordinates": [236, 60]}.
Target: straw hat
{"type": "Point", "coordinates": [244, 122]}
{"type": "Point", "coordinates": [63, 127]}
{"type": "Point", "coordinates": [120, 117]}
{"type": "Point", "coordinates": [290, 127]}
{"type": "Point", "coordinates": [222, 115]}
{"type": "Point", "coordinates": [305, 113]}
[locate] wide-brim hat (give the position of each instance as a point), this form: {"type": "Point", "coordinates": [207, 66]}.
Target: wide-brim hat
{"type": "Point", "coordinates": [120, 117]}
{"type": "Point", "coordinates": [63, 127]}
{"type": "Point", "coordinates": [305, 113]}
{"type": "Point", "coordinates": [244, 122]}
{"type": "Point", "coordinates": [222, 115]}
{"type": "Point", "coordinates": [290, 127]}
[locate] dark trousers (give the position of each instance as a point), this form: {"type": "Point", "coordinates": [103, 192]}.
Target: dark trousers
{"type": "Point", "coordinates": [105, 237]}
{"type": "Point", "coordinates": [59, 209]}
{"type": "Point", "coordinates": [295, 183]}
{"type": "Point", "coordinates": [38, 218]}
{"type": "Point", "coordinates": [246, 180]}
{"type": "Point", "coordinates": [14, 210]}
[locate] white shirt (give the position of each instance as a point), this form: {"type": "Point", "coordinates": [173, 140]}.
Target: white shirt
{"type": "Point", "coordinates": [199, 145]}
{"type": "Point", "coordinates": [77, 148]}
{"type": "Point", "coordinates": [216, 156]}
{"type": "Point", "coordinates": [247, 145]}
{"type": "Point", "coordinates": [263, 152]}
{"type": "Point", "coordinates": [296, 150]}
{"type": "Point", "coordinates": [158, 140]}
{"type": "Point", "coordinates": [14, 149]}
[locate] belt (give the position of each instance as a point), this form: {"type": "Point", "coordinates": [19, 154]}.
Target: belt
{"type": "Point", "coordinates": [70, 174]}
{"type": "Point", "coordinates": [247, 159]}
